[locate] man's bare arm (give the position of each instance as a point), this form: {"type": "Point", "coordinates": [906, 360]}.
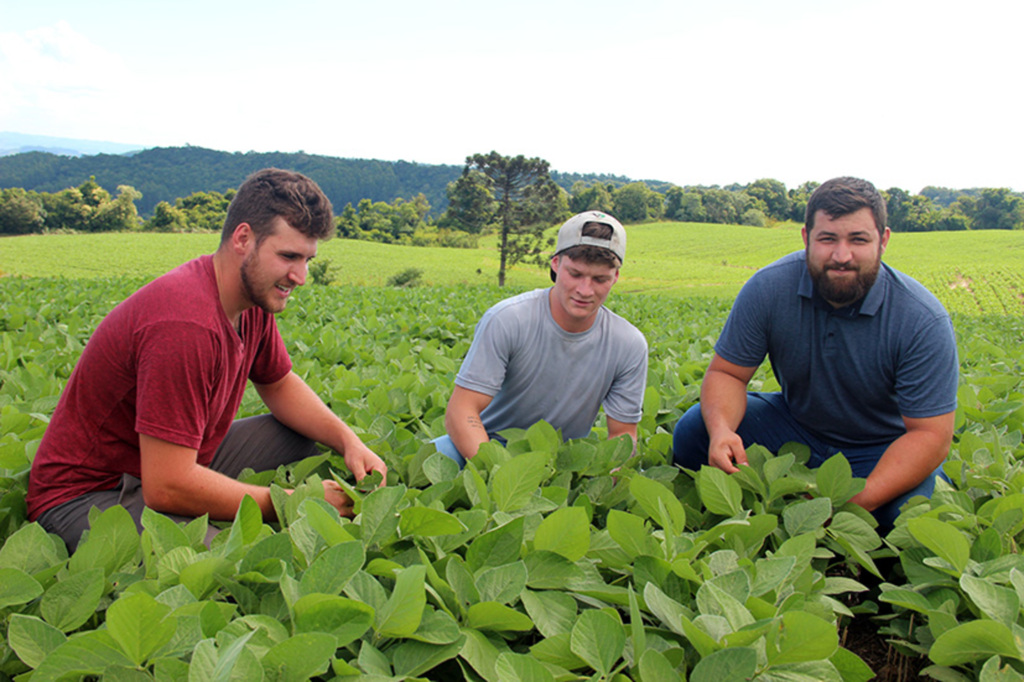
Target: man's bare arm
{"type": "Point", "coordinates": [462, 420]}
{"type": "Point", "coordinates": [294, 404]}
{"type": "Point", "coordinates": [174, 482]}
{"type": "Point", "coordinates": [723, 402]}
{"type": "Point", "coordinates": [908, 460]}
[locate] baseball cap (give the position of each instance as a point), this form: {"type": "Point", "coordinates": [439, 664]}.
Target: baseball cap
{"type": "Point", "coordinates": [571, 233]}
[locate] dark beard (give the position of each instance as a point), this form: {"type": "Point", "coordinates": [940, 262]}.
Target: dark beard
{"type": "Point", "coordinates": [844, 293]}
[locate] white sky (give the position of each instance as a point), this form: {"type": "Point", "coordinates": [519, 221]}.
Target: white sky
{"type": "Point", "coordinates": [905, 93]}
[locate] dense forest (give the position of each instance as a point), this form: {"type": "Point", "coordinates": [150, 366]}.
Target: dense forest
{"type": "Point", "coordinates": [188, 189]}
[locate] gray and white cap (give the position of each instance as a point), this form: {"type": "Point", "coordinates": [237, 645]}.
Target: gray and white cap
{"type": "Point", "coordinates": [571, 234]}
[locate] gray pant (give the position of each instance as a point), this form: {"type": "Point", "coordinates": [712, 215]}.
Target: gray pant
{"type": "Point", "coordinates": [259, 443]}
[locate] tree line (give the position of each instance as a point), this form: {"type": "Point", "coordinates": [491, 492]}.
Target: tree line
{"type": "Point", "coordinates": [473, 206]}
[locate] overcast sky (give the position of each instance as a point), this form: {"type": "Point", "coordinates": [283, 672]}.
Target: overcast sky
{"type": "Point", "coordinates": [905, 93]}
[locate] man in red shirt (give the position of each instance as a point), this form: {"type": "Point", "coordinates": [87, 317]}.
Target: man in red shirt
{"type": "Point", "coordinates": [148, 415]}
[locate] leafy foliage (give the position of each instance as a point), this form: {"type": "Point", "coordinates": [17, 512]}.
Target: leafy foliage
{"type": "Point", "coordinates": [540, 560]}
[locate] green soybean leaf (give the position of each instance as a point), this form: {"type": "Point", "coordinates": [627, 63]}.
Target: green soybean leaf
{"type": "Point", "coordinates": [232, 663]}
{"type": "Point", "coordinates": [163, 532]}
{"type": "Point", "coordinates": [808, 516]}
{"type": "Point", "coordinates": [330, 572]}
{"type": "Point", "coordinates": [631, 533]}
{"type": "Point", "coordinates": [113, 542]}
{"type": "Point", "coordinates": [69, 603]}
{"type": "Point", "coordinates": [299, 658]}
{"type": "Point", "coordinates": [565, 531]}
{"type": "Point", "coordinates": [412, 658]}
{"type": "Point", "coordinates": [719, 493]}
{"type": "Point", "coordinates": [326, 522]}
{"type": "Point", "coordinates": [32, 639]}
{"type": "Point", "coordinates": [553, 613]}
{"type": "Point", "coordinates": [140, 625]}
{"type": "Point", "coordinates": [801, 637]}
{"type": "Point", "coordinates": [437, 627]}
{"type": "Point", "coordinates": [88, 653]}
{"type": "Point", "coordinates": [734, 663]}
{"type": "Point", "coordinates": [481, 653]}
{"type": "Point", "coordinates": [557, 651]}
{"type": "Point", "coordinates": [424, 522]}
{"type": "Point", "coordinates": [512, 667]}
{"type": "Point", "coordinates": [401, 614]}
{"type": "Point", "coordinates": [550, 571]}
{"type": "Point", "coordinates": [998, 603]}
{"type": "Point", "coordinates": [944, 540]}
{"type": "Point", "coordinates": [379, 518]}
{"type": "Point", "coordinates": [851, 667]}
{"type": "Point", "coordinates": [974, 641]}
{"type": "Point", "coordinates": [17, 587]}
{"type": "Point", "coordinates": [599, 639]}
{"type": "Point", "coordinates": [648, 493]}
{"type": "Point", "coordinates": [502, 583]}
{"type": "Point", "coordinates": [345, 619]}
{"type": "Point", "coordinates": [518, 479]}
{"type": "Point", "coordinates": [654, 666]}
{"type": "Point", "coordinates": [202, 576]}
{"type": "Point", "coordinates": [835, 480]}
{"type": "Point", "coordinates": [489, 615]}
{"type": "Point", "coordinates": [496, 547]}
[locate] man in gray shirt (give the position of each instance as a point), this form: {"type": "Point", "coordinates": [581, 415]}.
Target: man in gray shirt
{"type": "Point", "coordinates": [554, 354]}
{"type": "Point", "coordinates": [865, 357]}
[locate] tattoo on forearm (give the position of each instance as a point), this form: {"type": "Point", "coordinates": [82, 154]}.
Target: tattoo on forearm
{"type": "Point", "coordinates": [474, 422]}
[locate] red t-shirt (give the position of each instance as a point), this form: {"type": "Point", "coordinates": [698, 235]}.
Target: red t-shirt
{"type": "Point", "coordinates": [165, 362]}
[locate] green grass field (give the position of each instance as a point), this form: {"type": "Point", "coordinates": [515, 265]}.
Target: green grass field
{"type": "Point", "coordinates": [971, 272]}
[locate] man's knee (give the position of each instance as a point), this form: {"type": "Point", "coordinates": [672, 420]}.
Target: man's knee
{"type": "Point", "coordinates": [690, 440]}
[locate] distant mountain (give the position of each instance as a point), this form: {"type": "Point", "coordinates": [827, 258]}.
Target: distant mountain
{"type": "Point", "coordinates": [167, 173]}
{"type": "Point", "coordinates": [20, 143]}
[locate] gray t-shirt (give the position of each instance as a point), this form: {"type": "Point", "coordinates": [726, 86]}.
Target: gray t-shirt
{"type": "Point", "coordinates": [849, 375]}
{"type": "Point", "coordinates": [536, 370]}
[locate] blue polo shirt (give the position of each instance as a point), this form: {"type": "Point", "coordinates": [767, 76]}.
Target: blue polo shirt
{"type": "Point", "coordinates": [850, 374]}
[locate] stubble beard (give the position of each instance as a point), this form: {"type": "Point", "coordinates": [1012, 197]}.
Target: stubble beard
{"type": "Point", "coordinates": [249, 287]}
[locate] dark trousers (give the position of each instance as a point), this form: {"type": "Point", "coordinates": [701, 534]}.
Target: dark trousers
{"type": "Point", "coordinates": [259, 443]}
{"type": "Point", "coordinates": [768, 422]}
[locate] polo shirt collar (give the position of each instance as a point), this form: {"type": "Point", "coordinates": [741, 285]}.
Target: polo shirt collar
{"type": "Point", "coordinates": [868, 305]}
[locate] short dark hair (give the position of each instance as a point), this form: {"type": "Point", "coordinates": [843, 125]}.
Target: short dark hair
{"type": "Point", "coordinates": [842, 196]}
{"type": "Point", "coordinates": [588, 253]}
{"type": "Point", "coordinates": [271, 193]}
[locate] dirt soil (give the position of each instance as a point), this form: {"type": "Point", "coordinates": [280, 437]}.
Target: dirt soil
{"type": "Point", "coordinates": [861, 637]}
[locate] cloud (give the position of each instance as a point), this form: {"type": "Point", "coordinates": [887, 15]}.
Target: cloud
{"type": "Point", "coordinates": [54, 77]}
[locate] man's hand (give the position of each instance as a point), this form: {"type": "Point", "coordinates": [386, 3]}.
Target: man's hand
{"type": "Point", "coordinates": [337, 498]}
{"type": "Point", "coordinates": [726, 452]}
{"type": "Point", "coordinates": [361, 461]}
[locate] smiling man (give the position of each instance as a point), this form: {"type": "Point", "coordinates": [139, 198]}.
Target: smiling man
{"type": "Point", "coordinates": [148, 416]}
{"type": "Point", "coordinates": [865, 357]}
{"type": "Point", "coordinates": [554, 354]}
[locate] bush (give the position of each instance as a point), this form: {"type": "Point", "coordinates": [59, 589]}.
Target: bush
{"type": "Point", "coordinates": [410, 277]}
{"type": "Point", "coordinates": [320, 271]}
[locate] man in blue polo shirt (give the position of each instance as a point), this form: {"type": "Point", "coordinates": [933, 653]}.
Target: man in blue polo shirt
{"type": "Point", "coordinates": [865, 356]}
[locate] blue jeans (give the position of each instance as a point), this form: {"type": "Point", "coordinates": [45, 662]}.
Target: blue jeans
{"type": "Point", "coordinates": [768, 422]}
{"type": "Point", "coordinates": [447, 448]}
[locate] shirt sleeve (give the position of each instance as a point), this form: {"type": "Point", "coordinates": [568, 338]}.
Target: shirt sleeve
{"type": "Point", "coordinates": [483, 369]}
{"type": "Point", "coordinates": [744, 338]}
{"type": "Point", "coordinates": [928, 372]}
{"type": "Point", "coordinates": [625, 399]}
